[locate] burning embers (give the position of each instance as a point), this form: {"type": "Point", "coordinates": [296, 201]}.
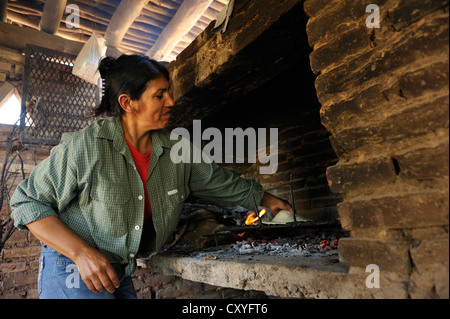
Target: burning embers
{"type": "Point", "coordinates": [301, 245]}
{"type": "Point", "coordinates": [222, 230]}
{"type": "Point", "coordinates": [317, 244]}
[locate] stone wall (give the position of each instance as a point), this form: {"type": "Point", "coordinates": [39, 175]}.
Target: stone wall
{"type": "Point", "coordinates": [384, 97]}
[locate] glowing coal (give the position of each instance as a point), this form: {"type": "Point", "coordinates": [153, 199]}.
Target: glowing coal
{"type": "Point", "coordinates": [319, 244]}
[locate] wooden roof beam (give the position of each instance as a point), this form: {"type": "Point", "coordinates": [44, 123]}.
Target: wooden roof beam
{"type": "Point", "coordinates": [123, 17]}
{"type": "Point", "coordinates": [187, 15]}
{"type": "Point", "coordinates": [51, 15]}
{"type": "Point", "coordinates": [3, 6]}
{"type": "Point", "coordinates": [15, 37]}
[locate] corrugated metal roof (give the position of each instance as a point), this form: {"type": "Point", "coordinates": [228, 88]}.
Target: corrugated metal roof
{"type": "Point", "coordinates": [95, 16]}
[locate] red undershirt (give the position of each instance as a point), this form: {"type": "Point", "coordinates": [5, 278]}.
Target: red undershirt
{"type": "Point", "coordinates": [142, 162]}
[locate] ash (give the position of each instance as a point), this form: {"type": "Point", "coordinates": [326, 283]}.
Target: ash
{"type": "Point", "coordinates": [312, 244]}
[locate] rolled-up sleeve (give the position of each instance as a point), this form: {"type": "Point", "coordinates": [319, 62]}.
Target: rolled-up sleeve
{"type": "Point", "coordinates": [50, 187]}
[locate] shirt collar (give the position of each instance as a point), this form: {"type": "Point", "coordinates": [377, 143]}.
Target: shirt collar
{"type": "Point", "coordinates": [111, 129]}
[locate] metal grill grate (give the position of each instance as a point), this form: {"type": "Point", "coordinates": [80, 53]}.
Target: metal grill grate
{"type": "Point", "coordinates": [54, 100]}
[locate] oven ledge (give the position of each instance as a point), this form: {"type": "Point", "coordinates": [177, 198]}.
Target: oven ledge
{"type": "Point", "coordinates": [285, 277]}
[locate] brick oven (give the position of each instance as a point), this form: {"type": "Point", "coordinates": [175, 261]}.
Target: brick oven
{"type": "Point", "coordinates": [361, 111]}
{"type": "Point", "coordinates": [362, 117]}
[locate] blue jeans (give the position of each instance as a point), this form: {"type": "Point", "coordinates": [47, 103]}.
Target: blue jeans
{"type": "Point", "coordinates": [59, 279]}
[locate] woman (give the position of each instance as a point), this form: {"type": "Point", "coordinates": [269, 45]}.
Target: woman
{"type": "Point", "coordinates": [109, 193]}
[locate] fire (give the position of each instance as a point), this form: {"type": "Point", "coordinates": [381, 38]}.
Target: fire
{"type": "Point", "coordinates": [252, 218]}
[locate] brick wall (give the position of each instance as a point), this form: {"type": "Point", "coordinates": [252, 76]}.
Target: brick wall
{"type": "Point", "coordinates": [19, 258]}
{"type": "Point", "coordinates": [257, 75]}
{"type": "Point", "coordinates": [384, 97]}
{"type": "Point", "coordinates": [20, 255]}
{"type": "Point", "coordinates": [288, 103]}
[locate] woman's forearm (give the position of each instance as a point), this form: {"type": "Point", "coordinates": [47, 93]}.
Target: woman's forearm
{"type": "Point", "coordinates": [52, 232]}
{"type": "Point", "coordinates": [95, 269]}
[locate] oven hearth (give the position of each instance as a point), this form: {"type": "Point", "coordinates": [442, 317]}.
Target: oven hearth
{"type": "Point", "coordinates": [319, 244]}
{"type": "Point", "coordinates": [297, 259]}
{"type": "Point", "coordinates": [215, 232]}
{"type": "Point", "coordinates": [208, 226]}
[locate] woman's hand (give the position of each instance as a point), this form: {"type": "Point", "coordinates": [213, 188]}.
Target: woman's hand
{"type": "Point", "coordinates": [275, 204]}
{"type": "Point", "coordinates": [96, 271]}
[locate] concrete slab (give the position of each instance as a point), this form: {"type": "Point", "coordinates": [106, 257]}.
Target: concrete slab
{"type": "Point", "coordinates": [285, 277]}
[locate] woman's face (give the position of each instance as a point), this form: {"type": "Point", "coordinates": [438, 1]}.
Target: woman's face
{"type": "Point", "coordinates": [155, 104]}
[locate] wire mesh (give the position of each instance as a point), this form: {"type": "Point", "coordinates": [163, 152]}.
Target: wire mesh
{"type": "Point", "coordinates": [54, 100]}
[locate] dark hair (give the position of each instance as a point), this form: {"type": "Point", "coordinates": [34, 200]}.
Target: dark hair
{"type": "Point", "coordinates": [127, 74]}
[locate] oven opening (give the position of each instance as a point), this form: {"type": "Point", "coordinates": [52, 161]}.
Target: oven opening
{"type": "Point", "coordinates": [267, 98]}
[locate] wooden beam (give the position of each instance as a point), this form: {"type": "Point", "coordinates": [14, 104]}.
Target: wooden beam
{"type": "Point", "coordinates": [22, 20]}
{"type": "Point", "coordinates": [158, 9]}
{"type": "Point", "coordinates": [51, 15]}
{"type": "Point", "coordinates": [100, 8]}
{"type": "Point", "coordinates": [15, 37]}
{"type": "Point", "coordinates": [3, 5]}
{"type": "Point", "coordinates": [123, 17]}
{"type": "Point", "coordinates": [187, 15]}
{"type": "Point", "coordinates": [27, 6]}
{"type": "Point", "coordinates": [168, 4]}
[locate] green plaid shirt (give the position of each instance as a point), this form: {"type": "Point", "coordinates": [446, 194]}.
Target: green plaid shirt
{"type": "Point", "coordinates": [91, 183]}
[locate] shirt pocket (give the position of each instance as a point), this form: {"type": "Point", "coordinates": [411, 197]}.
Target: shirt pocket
{"type": "Point", "coordinates": [175, 206]}
{"type": "Point", "coordinates": [108, 211]}
{"type": "Point", "coordinates": [105, 190]}
{"type": "Point", "coordinates": [177, 196]}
